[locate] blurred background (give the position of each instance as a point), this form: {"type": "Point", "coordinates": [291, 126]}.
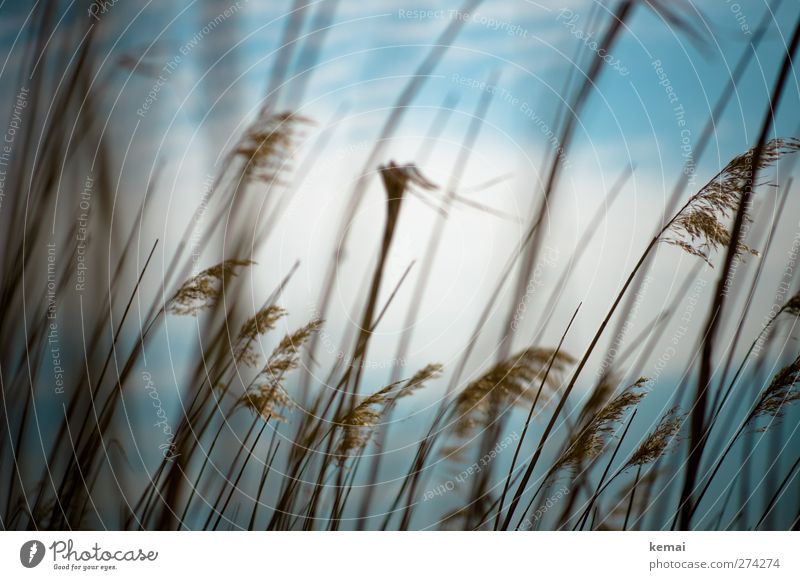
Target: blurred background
{"type": "Point", "coordinates": [544, 144]}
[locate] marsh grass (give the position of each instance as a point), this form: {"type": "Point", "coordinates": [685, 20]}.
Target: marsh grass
{"type": "Point", "coordinates": [262, 442]}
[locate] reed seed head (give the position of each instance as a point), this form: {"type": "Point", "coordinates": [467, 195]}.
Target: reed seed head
{"type": "Point", "coordinates": [202, 291]}
{"type": "Point", "coordinates": [359, 424]}
{"type": "Point", "coordinates": [513, 381]}
{"type": "Point", "coordinates": [592, 439]}
{"type": "Point", "coordinates": [657, 442]}
{"type": "Point", "coordinates": [699, 228]}
{"type": "Point", "coordinates": [262, 322]}
{"type": "Point", "coordinates": [267, 145]}
{"type": "Point", "coordinates": [267, 393]}
{"type": "Point", "coordinates": [780, 393]}
{"type": "Point", "coordinates": [397, 179]}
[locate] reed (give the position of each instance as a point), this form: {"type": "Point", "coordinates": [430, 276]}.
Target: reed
{"type": "Point", "coordinates": [268, 433]}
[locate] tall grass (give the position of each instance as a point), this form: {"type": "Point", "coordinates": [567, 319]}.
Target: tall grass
{"type": "Point", "coordinates": [265, 437]}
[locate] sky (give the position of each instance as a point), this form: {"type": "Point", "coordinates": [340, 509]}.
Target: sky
{"type": "Point", "coordinates": [181, 80]}
{"type": "Point", "coordinates": [202, 75]}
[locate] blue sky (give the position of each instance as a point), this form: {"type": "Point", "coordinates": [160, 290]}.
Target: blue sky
{"type": "Point", "coordinates": [368, 54]}
{"type": "Point", "coordinates": [189, 114]}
